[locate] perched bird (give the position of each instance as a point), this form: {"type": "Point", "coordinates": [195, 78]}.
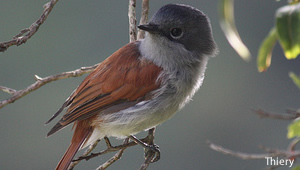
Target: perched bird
{"type": "Point", "coordinates": [143, 83]}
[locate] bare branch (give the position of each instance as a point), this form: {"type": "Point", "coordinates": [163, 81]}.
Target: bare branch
{"type": "Point", "coordinates": [292, 145]}
{"type": "Point", "coordinates": [290, 115]}
{"type": "Point", "coordinates": [88, 151]}
{"type": "Point", "coordinates": [113, 159]}
{"type": "Point", "coordinates": [42, 81]}
{"type": "Point", "coordinates": [144, 18]}
{"type": "Point", "coordinates": [295, 112]}
{"type": "Point", "coordinates": [132, 20]}
{"type": "Point", "coordinates": [240, 154]}
{"type": "Point", "coordinates": [148, 158]}
{"type": "Point", "coordinates": [8, 90]}
{"type": "Point", "coordinates": [109, 150]}
{"type": "Point", "coordinates": [289, 153]}
{"type": "Point", "coordinates": [270, 152]}
{"type": "Point", "coordinates": [19, 39]}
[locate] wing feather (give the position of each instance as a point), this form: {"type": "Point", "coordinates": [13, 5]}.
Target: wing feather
{"type": "Point", "coordinates": [120, 80]}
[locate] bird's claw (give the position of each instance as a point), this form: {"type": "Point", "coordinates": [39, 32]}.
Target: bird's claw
{"type": "Point", "coordinates": [153, 149]}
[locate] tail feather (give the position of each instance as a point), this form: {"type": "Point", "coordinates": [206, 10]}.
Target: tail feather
{"type": "Point", "coordinates": [56, 128]}
{"type": "Point", "coordinates": [80, 135]}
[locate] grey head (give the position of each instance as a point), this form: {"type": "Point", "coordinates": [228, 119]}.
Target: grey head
{"type": "Point", "coordinates": [185, 25]}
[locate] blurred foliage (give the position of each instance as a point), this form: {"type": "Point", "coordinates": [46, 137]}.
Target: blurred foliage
{"type": "Point", "coordinates": [294, 129]}
{"type": "Point", "coordinates": [295, 78]}
{"type": "Point", "coordinates": [286, 31]}
{"type": "Point", "coordinates": [228, 26]}
{"type": "Point", "coordinates": [296, 168]}
{"type": "Point", "coordinates": [265, 51]}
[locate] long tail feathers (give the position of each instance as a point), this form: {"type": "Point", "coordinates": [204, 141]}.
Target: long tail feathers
{"type": "Point", "coordinates": [80, 135]}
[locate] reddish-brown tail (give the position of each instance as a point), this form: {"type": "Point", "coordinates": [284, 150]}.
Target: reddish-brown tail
{"type": "Point", "coordinates": [80, 134]}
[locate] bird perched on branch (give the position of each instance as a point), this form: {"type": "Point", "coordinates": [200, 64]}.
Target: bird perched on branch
{"type": "Point", "coordinates": [143, 83]}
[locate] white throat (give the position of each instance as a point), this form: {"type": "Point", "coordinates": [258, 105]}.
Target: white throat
{"type": "Point", "coordinates": [165, 53]}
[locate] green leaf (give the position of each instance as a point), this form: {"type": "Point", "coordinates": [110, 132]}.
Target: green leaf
{"type": "Point", "coordinates": [291, 2]}
{"type": "Point", "coordinates": [295, 78]}
{"type": "Point", "coordinates": [265, 51]}
{"type": "Point", "coordinates": [228, 26]}
{"type": "Point", "coordinates": [294, 129]}
{"type": "Point", "coordinates": [288, 29]}
{"type": "Point", "coordinates": [297, 168]}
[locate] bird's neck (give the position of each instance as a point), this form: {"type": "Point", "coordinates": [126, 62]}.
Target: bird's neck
{"type": "Point", "coordinates": [167, 54]}
{"type": "Point", "coordinates": [182, 69]}
{"type": "Point", "coordinates": [171, 56]}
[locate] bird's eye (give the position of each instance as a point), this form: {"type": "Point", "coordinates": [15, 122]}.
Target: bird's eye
{"type": "Point", "coordinates": [176, 33]}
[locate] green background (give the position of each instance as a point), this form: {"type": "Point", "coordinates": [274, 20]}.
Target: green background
{"type": "Point", "coordinates": [82, 33]}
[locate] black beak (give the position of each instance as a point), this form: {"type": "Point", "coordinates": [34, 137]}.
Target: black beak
{"type": "Point", "coordinates": [152, 28]}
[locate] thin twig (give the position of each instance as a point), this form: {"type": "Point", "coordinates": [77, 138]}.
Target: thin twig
{"type": "Point", "coordinates": [292, 145]}
{"type": "Point", "coordinates": [288, 116]}
{"type": "Point", "coordinates": [144, 18]}
{"type": "Point", "coordinates": [42, 81]}
{"type": "Point", "coordinates": [8, 90]}
{"type": "Point", "coordinates": [120, 148]}
{"type": "Point", "coordinates": [88, 151]}
{"type": "Point", "coordinates": [270, 152]}
{"type": "Point", "coordinates": [132, 20]}
{"type": "Point", "coordinates": [287, 154]}
{"type": "Point", "coordinates": [241, 155]}
{"type": "Point", "coordinates": [113, 159]}
{"type": "Point", "coordinates": [109, 150]}
{"type": "Point", "coordinates": [19, 39]}
{"type": "Point", "coordinates": [292, 111]}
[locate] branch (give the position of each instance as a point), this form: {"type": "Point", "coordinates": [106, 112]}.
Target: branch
{"type": "Point", "coordinates": [120, 148]}
{"type": "Point", "coordinates": [42, 81]}
{"type": "Point", "coordinates": [290, 153]}
{"type": "Point", "coordinates": [132, 20]}
{"type": "Point", "coordinates": [113, 159]}
{"type": "Point", "coordinates": [8, 90]}
{"type": "Point", "coordinates": [19, 39]}
{"type": "Point", "coordinates": [240, 155]}
{"type": "Point", "coordinates": [88, 151]}
{"type": "Point", "coordinates": [109, 149]}
{"type": "Point", "coordinates": [290, 115]}
{"type": "Point", "coordinates": [144, 18]}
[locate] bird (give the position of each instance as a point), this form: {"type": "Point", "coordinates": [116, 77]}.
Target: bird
{"type": "Point", "coordinates": [142, 84]}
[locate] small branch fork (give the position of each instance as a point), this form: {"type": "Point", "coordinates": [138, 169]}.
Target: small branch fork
{"type": "Point", "coordinates": [29, 32]}
{"type": "Point", "coordinates": [21, 39]}
{"type": "Point", "coordinates": [289, 153]}
{"type": "Point", "coordinates": [149, 154]}
{"type": "Point", "coordinates": [17, 94]}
